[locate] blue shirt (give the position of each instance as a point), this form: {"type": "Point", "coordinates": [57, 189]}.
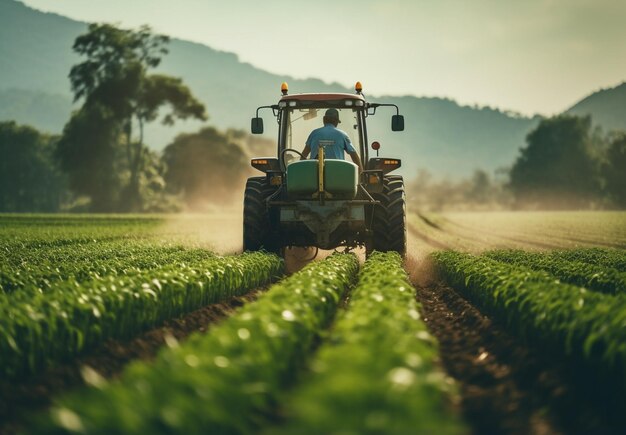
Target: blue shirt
{"type": "Point", "coordinates": [334, 140]}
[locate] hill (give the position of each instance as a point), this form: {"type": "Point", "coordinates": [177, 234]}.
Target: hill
{"type": "Point", "coordinates": [607, 108]}
{"type": "Point", "coordinates": [442, 136]}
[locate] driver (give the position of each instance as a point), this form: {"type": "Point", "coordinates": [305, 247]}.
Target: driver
{"type": "Point", "coordinates": [335, 141]}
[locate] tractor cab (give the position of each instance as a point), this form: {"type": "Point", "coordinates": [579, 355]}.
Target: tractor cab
{"type": "Point", "coordinates": [324, 202]}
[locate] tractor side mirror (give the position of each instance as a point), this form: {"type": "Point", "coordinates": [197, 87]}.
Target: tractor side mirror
{"type": "Point", "coordinates": [397, 123]}
{"type": "Point", "coordinates": [257, 125]}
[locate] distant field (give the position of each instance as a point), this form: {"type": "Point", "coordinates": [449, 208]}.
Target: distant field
{"type": "Point", "coordinates": [524, 230]}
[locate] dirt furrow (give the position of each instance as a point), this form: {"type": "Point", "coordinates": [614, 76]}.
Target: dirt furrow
{"type": "Point", "coordinates": [429, 240]}
{"type": "Point", "coordinates": [506, 387]}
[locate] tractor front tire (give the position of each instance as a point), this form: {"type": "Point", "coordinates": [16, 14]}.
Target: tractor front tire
{"type": "Point", "coordinates": [389, 219]}
{"type": "Point", "coordinates": [257, 234]}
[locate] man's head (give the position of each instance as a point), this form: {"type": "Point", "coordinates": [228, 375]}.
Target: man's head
{"type": "Point", "coordinates": [331, 116]}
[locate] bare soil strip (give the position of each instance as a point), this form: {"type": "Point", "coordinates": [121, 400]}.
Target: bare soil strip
{"type": "Point", "coordinates": [478, 241]}
{"type": "Point", "coordinates": [507, 387]}
{"type": "Point", "coordinates": [432, 242]}
{"type": "Point", "coordinates": [18, 400]}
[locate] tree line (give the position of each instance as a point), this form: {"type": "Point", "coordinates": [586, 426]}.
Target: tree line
{"type": "Point", "coordinates": [100, 162]}
{"type": "Point", "coordinates": [566, 164]}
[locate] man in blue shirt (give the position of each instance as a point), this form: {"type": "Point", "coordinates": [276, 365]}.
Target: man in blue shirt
{"type": "Point", "coordinates": [334, 141]}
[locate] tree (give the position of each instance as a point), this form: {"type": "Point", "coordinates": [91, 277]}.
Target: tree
{"type": "Point", "coordinates": [207, 166]}
{"type": "Point", "coordinates": [114, 82]}
{"type": "Point", "coordinates": [556, 169]}
{"type": "Point", "coordinates": [614, 170]}
{"type": "Point", "coordinates": [30, 181]}
{"type": "Point", "coordinates": [90, 152]}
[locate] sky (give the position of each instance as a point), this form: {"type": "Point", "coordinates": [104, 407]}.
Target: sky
{"type": "Point", "coordinates": [526, 56]}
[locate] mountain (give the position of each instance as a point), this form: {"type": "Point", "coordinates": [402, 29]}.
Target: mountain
{"type": "Point", "coordinates": [441, 136]}
{"type": "Point", "coordinates": [607, 108]}
{"type": "Point", "coordinates": [47, 112]}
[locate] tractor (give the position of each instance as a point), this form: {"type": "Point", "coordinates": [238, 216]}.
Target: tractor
{"type": "Point", "coordinates": [324, 203]}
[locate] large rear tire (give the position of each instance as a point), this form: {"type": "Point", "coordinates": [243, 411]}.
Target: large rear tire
{"type": "Point", "coordinates": [389, 219]}
{"type": "Point", "coordinates": [257, 230]}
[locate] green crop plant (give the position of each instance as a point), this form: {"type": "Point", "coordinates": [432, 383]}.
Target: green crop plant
{"type": "Point", "coordinates": [613, 258]}
{"type": "Point", "coordinates": [40, 328]}
{"type": "Point", "coordinates": [38, 231]}
{"type": "Point", "coordinates": [41, 271]}
{"type": "Point", "coordinates": [376, 373]}
{"type": "Point", "coordinates": [561, 318]}
{"type": "Point", "coordinates": [573, 271]}
{"type": "Point", "coordinates": [224, 382]}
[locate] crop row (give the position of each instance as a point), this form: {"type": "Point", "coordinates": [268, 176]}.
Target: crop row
{"type": "Point", "coordinates": [16, 255]}
{"type": "Point", "coordinates": [42, 272]}
{"type": "Point", "coordinates": [376, 373]}
{"type": "Point", "coordinates": [573, 271]}
{"type": "Point", "coordinates": [587, 326]}
{"type": "Point", "coordinates": [226, 381]}
{"type": "Point", "coordinates": [38, 329]}
{"type": "Point", "coordinates": [613, 258]}
{"type": "Point", "coordinates": [25, 233]}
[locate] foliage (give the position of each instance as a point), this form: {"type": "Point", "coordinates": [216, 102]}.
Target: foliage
{"type": "Point", "coordinates": [43, 269]}
{"type": "Point", "coordinates": [613, 258]}
{"type": "Point", "coordinates": [30, 179]}
{"type": "Point", "coordinates": [556, 170]}
{"type": "Point", "coordinates": [593, 276]}
{"type": "Point", "coordinates": [205, 166]}
{"type": "Point", "coordinates": [118, 94]}
{"type": "Point", "coordinates": [67, 290]}
{"type": "Point", "coordinates": [223, 382]}
{"type": "Point", "coordinates": [90, 152]}
{"type": "Point", "coordinates": [377, 372]}
{"type": "Point", "coordinates": [565, 319]}
{"type": "Point", "coordinates": [614, 170]}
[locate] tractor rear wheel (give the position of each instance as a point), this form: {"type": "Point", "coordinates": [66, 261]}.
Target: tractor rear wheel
{"type": "Point", "coordinates": [257, 232]}
{"type": "Point", "coordinates": [389, 219]}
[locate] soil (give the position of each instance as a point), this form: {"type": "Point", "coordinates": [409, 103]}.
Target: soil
{"type": "Point", "coordinates": [19, 399]}
{"type": "Point", "coordinates": [436, 244]}
{"type": "Point", "coordinates": [507, 387]}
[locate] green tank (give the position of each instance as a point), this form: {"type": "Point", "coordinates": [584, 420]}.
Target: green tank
{"type": "Point", "coordinates": [302, 179]}
{"type": "Point", "coordinates": [341, 178]}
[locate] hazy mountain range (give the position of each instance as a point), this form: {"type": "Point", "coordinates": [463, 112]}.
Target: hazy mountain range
{"type": "Point", "coordinates": [442, 136]}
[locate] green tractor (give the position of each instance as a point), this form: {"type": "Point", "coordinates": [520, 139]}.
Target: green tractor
{"type": "Point", "coordinates": [324, 203]}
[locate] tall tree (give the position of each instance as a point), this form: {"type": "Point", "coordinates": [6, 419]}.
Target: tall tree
{"type": "Point", "coordinates": [614, 170]}
{"type": "Point", "coordinates": [114, 77]}
{"type": "Point", "coordinates": [30, 180]}
{"type": "Point", "coordinates": [90, 152]}
{"type": "Point", "coordinates": [556, 169]}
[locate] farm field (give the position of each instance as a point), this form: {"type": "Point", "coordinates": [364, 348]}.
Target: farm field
{"type": "Point", "coordinates": [539, 230]}
{"type": "Point", "coordinates": [495, 323]}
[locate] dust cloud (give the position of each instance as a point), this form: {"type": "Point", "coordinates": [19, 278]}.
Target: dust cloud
{"type": "Point", "coordinates": [219, 231]}
{"type": "Point", "coordinates": [417, 263]}
{"type": "Point", "coordinates": [222, 232]}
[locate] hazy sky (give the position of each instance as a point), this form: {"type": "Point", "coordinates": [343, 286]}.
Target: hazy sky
{"type": "Point", "coordinates": [531, 56]}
